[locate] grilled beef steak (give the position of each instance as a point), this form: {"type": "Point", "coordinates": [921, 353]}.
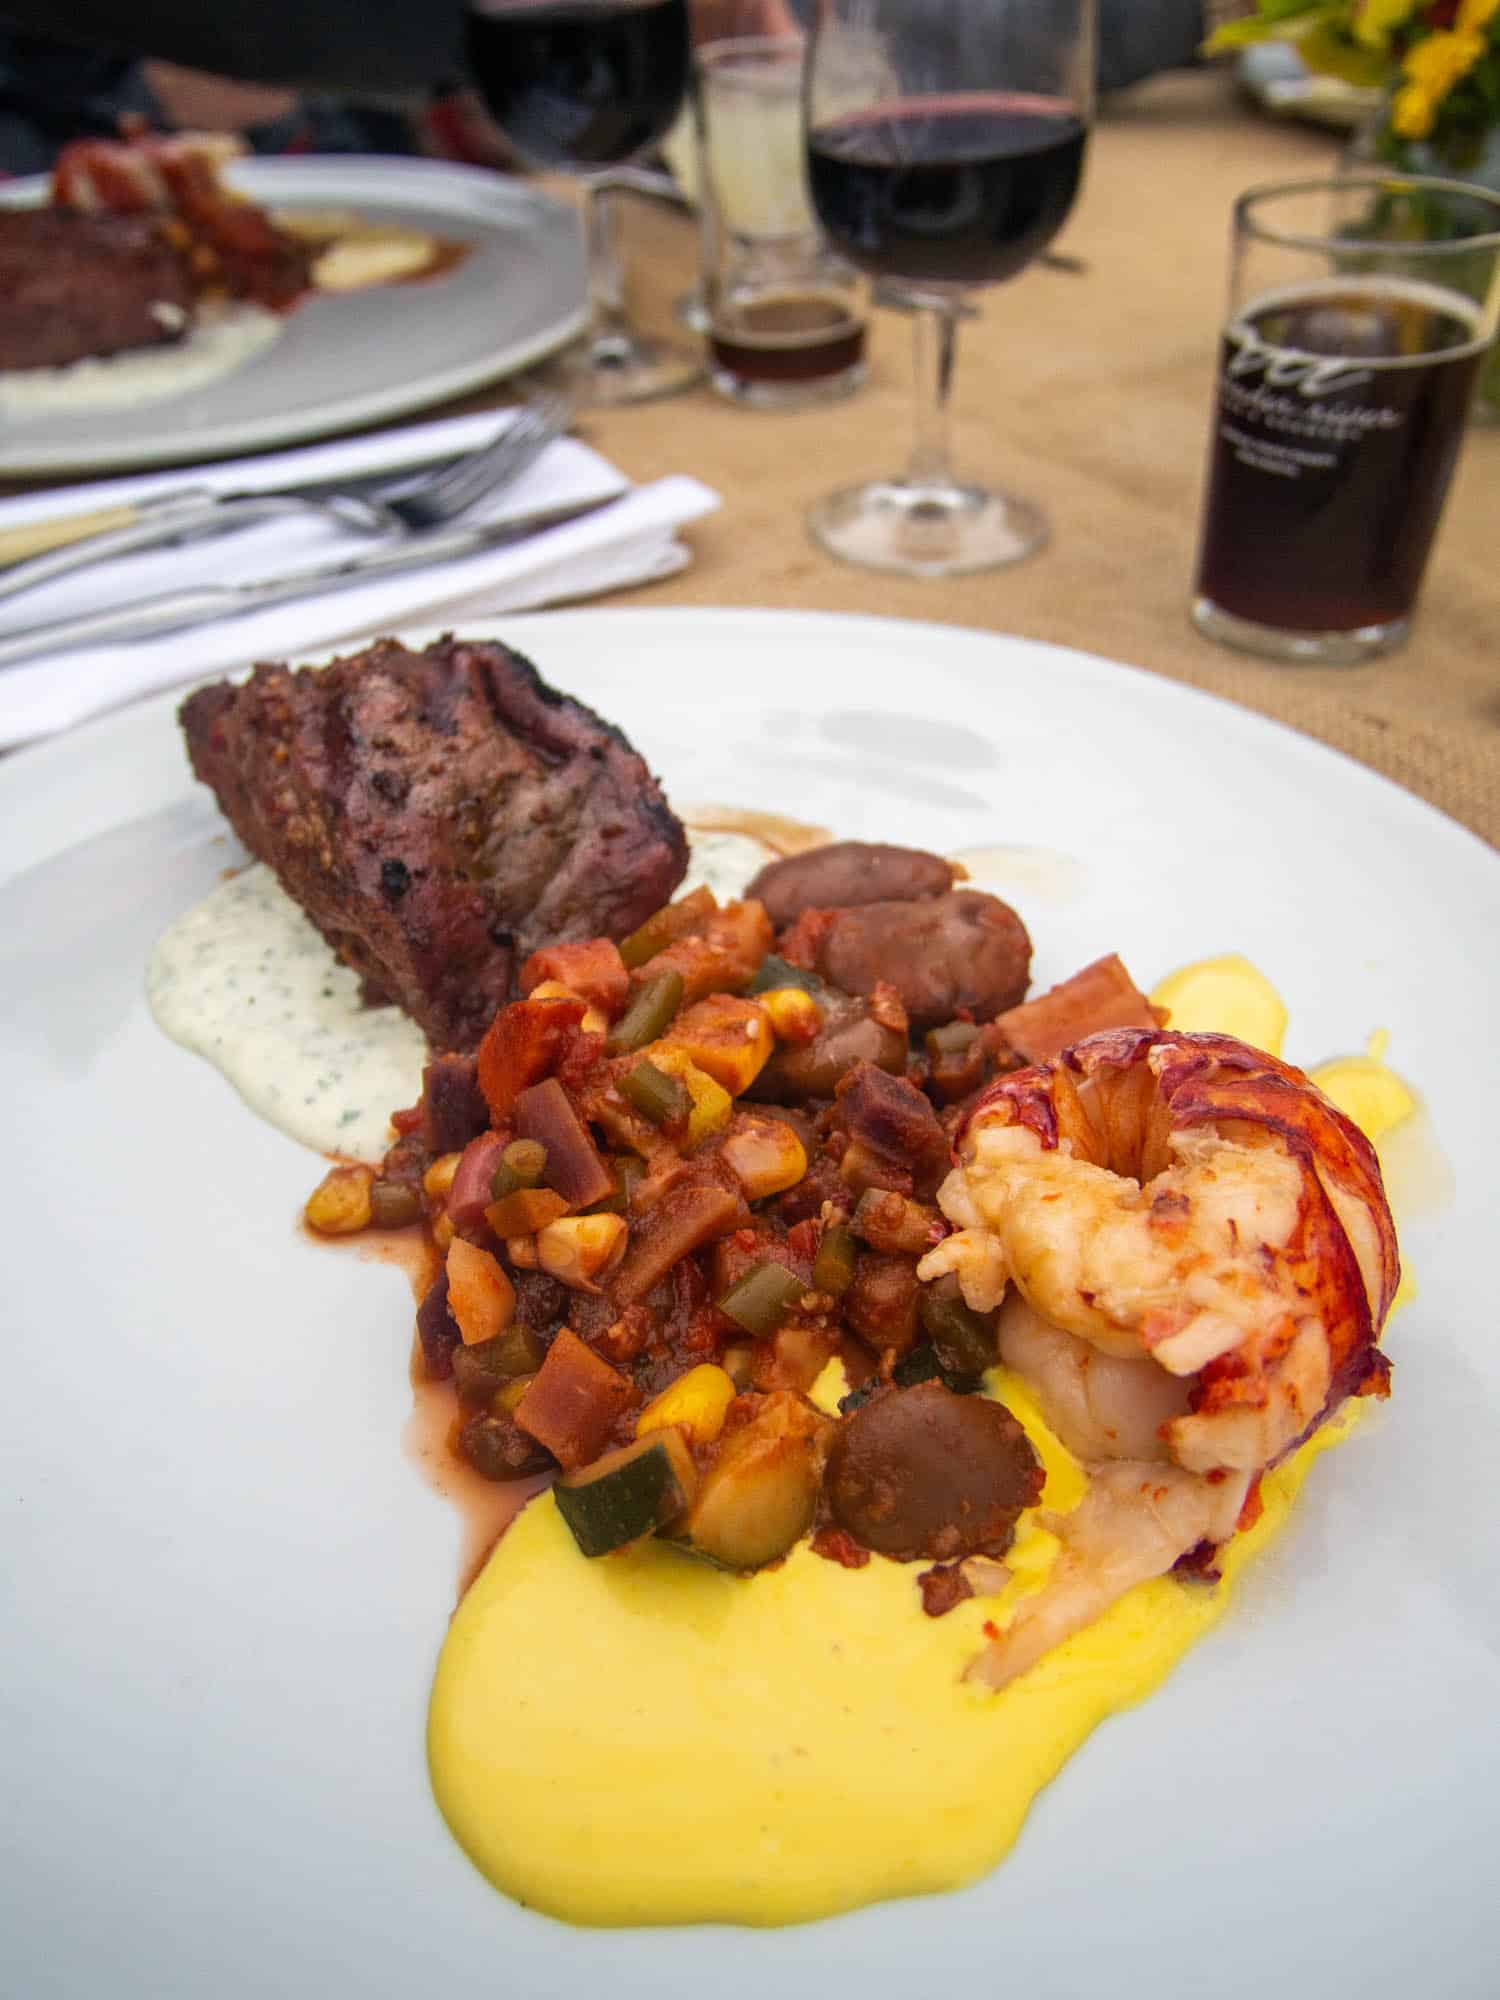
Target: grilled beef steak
{"type": "Point", "coordinates": [74, 286]}
{"type": "Point", "coordinates": [438, 815]}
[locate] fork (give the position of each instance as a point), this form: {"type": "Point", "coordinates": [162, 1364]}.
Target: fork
{"type": "Point", "coordinates": [405, 505]}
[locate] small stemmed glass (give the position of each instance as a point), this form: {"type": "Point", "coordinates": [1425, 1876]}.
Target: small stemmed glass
{"type": "Point", "coordinates": [945, 144]}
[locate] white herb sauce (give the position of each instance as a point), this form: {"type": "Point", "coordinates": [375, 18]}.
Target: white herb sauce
{"type": "Point", "coordinates": [222, 339]}
{"type": "Point", "coordinates": [245, 981]}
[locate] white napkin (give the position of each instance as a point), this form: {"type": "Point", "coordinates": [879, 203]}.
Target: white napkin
{"type": "Point", "coordinates": [631, 541]}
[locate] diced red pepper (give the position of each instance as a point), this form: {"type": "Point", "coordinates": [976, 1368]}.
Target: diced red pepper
{"type": "Point", "coordinates": [520, 1046]}
{"type": "Point", "coordinates": [593, 969]}
{"type": "Point", "coordinates": [573, 1402]}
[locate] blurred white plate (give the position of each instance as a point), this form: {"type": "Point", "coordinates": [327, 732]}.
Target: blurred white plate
{"type": "Point", "coordinates": [226, 1586]}
{"type": "Point", "coordinates": [359, 357]}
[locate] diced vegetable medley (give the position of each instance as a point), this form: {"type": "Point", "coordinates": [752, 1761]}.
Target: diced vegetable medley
{"type": "Point", "coordinates": [682, 1176]}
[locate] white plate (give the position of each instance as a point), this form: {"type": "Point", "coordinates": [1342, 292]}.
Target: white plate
{"type": "Point", "coordinates": [362, 357]}
{"type": "Point", "coordinates": [228, 1586]}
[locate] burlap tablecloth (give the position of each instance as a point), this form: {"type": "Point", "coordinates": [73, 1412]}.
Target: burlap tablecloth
{"type": "Point", "coordinates": [1092, 393]}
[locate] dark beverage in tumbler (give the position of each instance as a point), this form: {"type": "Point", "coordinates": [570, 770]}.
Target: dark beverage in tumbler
{"type": "Point", "coordinates": [1341, 408]}
{"type": "Point", "coordinates": [790, 337]}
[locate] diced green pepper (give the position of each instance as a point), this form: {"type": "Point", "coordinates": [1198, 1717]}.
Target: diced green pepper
{"type": "Point", "coordinates": [394, 1204]}
{"type": "Point", "coordinates": [833, 1267]}
{"type": "Point", "coordinates": [672, 921]}
{"type": "Point", "coordinates": [964, 1339]}
{"type": "Point", "coordinates": [775, 972]}
{"type": "Point", "coordinates": [527, 1160]}
{"type": "Point", "coordinates": [481, 1369]}
{"type": "Point", "coordinates": [627, 1171]}
{"type": "Point", "coordinates": [661, 1098]}
{"type": "Point", "coordinates": [760, 1301]}
{"type": "Point", "coordinates": [649, 1014]}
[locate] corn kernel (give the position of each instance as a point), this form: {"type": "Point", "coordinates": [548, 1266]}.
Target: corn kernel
{"type": "Point", "coordinates": [521, 1250]}
{"type": "Point", "coordinates": [439, 1176]}
{"type": "Point", "coordinates": [443, 1232]}
{"type": "Point", "coordinates": [698, 1401]}
{"type": "Point", "coordinates": [795, 1015]}
{"type": "Point", "coordinates": [767, 1157]}
{"type": "Point", "coordinates": [578, 1248]}
{"type": "Point", "coordinates": [340, 1204]}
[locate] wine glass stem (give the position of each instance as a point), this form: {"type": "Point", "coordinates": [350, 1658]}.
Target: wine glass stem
{"type": "Point", "coordinates": [606, 273]}
{"type": "Point", "coordinates": [935, 331]}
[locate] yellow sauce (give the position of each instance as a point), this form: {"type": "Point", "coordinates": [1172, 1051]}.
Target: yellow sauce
{"type": "Point", "coordinates": [1224, 996]}
{"type": "Point", "coordinates": [642, 1740]}
{"type": "Point", "coordinates": [1367, 1090]}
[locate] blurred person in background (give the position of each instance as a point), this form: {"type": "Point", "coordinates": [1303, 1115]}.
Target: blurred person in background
{"type": "Point", "coordinates": [362, 76]}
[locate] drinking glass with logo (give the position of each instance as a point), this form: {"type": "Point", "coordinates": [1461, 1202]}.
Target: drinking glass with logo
{"type": "Point", "coordinates": [1360, 311]}
{"type": "Point", "coordinates": [785, 314]}
{"type": "Point", "coordinates": [585, 85]}
{"type": "Point", "coordinates": [945, 144]}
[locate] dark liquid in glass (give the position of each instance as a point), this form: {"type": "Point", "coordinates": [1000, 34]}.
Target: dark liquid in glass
{"type": "Point", "coordinates": [961, 190]}
{"type": "Point", "coordinates": [580, 83]}
{"type": "Point", "coordinates": [1341, 411]}
{"type": "Point", "coordinates": [792, 336]}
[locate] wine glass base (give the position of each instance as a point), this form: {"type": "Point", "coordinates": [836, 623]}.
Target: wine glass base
{"type": "Point", "coordinates": [926, 530]}
{"type": "Point", "coordinates": [622, 367]}
{"type": "Point", "coordinates": [690, 309]}
{"type": "Point", "coordinates": [1309, 649]}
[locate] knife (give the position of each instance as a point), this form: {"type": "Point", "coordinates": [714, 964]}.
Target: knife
{"type": "Point", "coordinates": [60, 531]}
{"type": "Point", "coordinates": [178, 610]}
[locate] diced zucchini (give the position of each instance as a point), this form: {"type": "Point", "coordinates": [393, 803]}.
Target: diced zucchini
{"type": "Point", "coordinates": [757, 1499]}
{"type": "Point", "coordinates": [628, 1493]}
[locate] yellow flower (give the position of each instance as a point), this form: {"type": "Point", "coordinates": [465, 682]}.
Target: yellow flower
{"type": "Point", "coordinates": [1431, 69]}
{"type": "Point", "coordinates": [1475, 15]}
{"type": "Point", "coordinates": [1376, 20]}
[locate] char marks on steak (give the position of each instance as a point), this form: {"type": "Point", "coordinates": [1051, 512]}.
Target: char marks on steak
{"type": "Point", "coordinates": [439, 816]}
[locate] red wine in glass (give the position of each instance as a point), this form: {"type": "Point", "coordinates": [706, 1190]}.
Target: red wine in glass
{"type": "Point", "coordinates": [945, 142]}
{"type": "Point", "coordinates": [582, 83]}
{"type": "Point", "coordinates": [961, 190]}
{"type": "Point", "coordinates": [585, 85]}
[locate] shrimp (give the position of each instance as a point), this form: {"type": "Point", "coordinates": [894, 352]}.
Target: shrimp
{"type": "Point", "coordinates": [1202, 1260]}
{"type": "Point", "coordinates": [1101, 1406]}
{"type": "Point", "coordinates": [1190, 1202]}
{"type": "Point", "coordinates": [1135, 1522]}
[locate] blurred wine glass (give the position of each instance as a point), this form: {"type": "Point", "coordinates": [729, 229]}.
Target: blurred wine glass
{"type": "Point", "coordinates": [586, 86]}
{"type": "Point", "coordinates": [945, 145]}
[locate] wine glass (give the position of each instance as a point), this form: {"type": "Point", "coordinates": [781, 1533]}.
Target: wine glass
{"type": "Point", "coordinates": [585, 85]}
{"type": "Point", "coordinates": [945, 143]}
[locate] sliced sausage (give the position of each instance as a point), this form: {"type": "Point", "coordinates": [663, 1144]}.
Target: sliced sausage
{"type": "Point", "coordinates": [960, 952]}
{"type": "Point", "coordinates": [846, 874]}
{"type": "Point", "coordinates": [923, 1474]}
